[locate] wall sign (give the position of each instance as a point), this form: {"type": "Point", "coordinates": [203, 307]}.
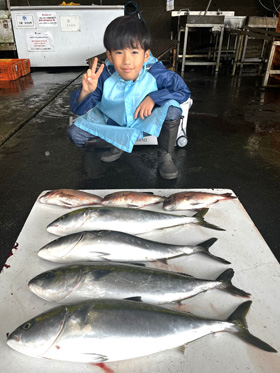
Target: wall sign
{"type": "Point", "coordinates": [39, 41]}
{"type": "Point", "coordinates": [70, 23]}
{"type": "Point", "coordinates": [25, 21]}
{"type": "Point", "coordinates": [47, 19]}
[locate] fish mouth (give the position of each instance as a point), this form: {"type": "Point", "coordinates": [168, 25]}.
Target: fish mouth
{"type": "Point", "coordinates": [59, 227]}
{"type": "Point", "coordinates": [45, 290]}
{"type": "Point", "coordinates": [15, 337]}
{"type": "Point", "coordinates": [48, 252]}
{"type": "Point", "coordinates": [52, 228]}
{"type": "Point", "coordinates": [44, 198]}
{"type": "Point", "coordinates": [48, 324]}
{"type": "Point", "coordinates": [35, 288]}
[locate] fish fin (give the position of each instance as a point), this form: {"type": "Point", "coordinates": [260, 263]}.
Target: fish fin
{"type": "Point", "coordinates": [184, 348]}
{"type": "Point", "coordinates": [201, 213]}
{"type": "Point", "coordinates": [184, 274]}
{"type": "Point", "coordinates": [100, 273]}
{"type": "Point", "coordinates": [179, 301]}
{"type": "Point", "coordinates": [66, 204]}
{"type": "Point", "coordinates": [200, 220]}
{"type": "Point", "coordinates": [164, 261]}
{"type": "Point", "coordinates": [205, 224]}
{"type": "Point", "coordinates": [135, 299]}
{"type": "Point", "coordinates": [97, 358]}
{"type": "Point", "coordinates": [136, 264]}
{"type": "Point", "coordinates": [238, 318]}
{"type": "Point", "coordinates": [203, 247]}
{"type": "Point", "coordinates": [208, 243]}
{"type": "Point", "coordinates": [228, 196]}
{"type": "Point", "coordinates": [219, 259]}
{"type": "Point", "coordinates": [227, 286]}
{"type": "Point", "coordinates": [100, 254]}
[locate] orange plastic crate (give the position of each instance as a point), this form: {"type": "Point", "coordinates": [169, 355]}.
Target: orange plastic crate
{"type": "Point", "coordinates": [12, 69]}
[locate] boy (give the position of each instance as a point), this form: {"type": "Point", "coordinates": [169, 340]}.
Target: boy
{"type": "Point", "coordinates": [132, 96]}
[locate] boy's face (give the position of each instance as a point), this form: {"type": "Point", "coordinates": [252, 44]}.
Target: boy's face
{"type": "Point", "coordinates": [128, 62]}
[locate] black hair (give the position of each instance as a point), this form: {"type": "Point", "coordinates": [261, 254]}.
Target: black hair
{"type": "Point", "coordinates": [126, 32]}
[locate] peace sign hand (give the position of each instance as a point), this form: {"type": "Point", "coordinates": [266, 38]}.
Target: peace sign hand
{"type": "Point", "coordinates": [90, 80]}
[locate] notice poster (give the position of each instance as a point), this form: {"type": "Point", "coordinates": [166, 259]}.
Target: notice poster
{"type": "Point", "coordinates": [39, 41]}
{"type": "Point", "coordinates": [47, 19]}
{"type": "Point", "coordinates": [70, 23]}
{"type": "Point", "coordinates": [169, 5]}
{"type": "Point", "coordinates": [25, 21]}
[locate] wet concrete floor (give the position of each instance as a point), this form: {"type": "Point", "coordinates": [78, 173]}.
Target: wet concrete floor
{"type": "Point", "coordinates": [233, 142]}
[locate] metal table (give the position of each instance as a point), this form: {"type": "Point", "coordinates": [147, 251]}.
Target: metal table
{"type": "Point", "coordinates": [257, 28]}
{"type": "Point", "coordinates": [216, 61]}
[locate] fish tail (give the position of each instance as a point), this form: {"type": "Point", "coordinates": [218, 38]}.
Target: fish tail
{"type": "Point", "coordinates": [226, 278]}
{"type": "Point", "coordinates": [203, 247]}
{"type": "Point", "coordinates": [200, 220]}
{"type": "Point", "coordinates": [201, 213]}
{"type": "Point", "coordinates": [238, 318]}
{"type": "Point", "coordinates": [228, 196]}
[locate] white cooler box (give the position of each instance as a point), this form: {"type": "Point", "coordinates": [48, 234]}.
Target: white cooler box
{"type": "Point", "coordinates": [182, 139]}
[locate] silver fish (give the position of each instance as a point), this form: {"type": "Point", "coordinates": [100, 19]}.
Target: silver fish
{"type": "Point", "coordinates": [117, 246]}
{"type": "Point", "coordinates": [123, 220]}
{"type": "Point", "coordinates": [69, 198]}
{"type": "Point", "coordinates": [74, 283]}
{"type": "Point", "coordinates": [109, 330]}
{"type": "Point", "coordinates": [131, 199]}
{"type": "Point", "coordinates": [193, 200]}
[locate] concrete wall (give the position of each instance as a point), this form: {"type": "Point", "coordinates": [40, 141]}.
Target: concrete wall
{"type": "Point", "coordinates": [156, 16]}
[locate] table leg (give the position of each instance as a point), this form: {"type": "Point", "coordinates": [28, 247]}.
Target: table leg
{"type": "Point", "coordinates": [184, 50]}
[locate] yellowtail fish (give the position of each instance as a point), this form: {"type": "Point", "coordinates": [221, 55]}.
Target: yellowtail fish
{"type": "Point", "coordinates": [117, 246]}
{"type": "Point", "coordinates": [126, 220]}
{"type": "Point", "coordinates": [131, 199]}
{"type": "Point", "coordinates": [193, 200]}
{"type": "Point", "coordinates": [78, 282]}
{"type": "Point", "coordinates": [69, 198]}
{"type": "Point", "coordinates": [97, 331]}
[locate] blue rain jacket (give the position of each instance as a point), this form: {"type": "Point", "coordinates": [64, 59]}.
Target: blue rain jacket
{"type": "Point", "coordinates": [108, 112]}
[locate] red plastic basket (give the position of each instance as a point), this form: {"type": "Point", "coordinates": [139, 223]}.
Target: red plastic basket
{"type": "Point", "coordinates": [12, 69]}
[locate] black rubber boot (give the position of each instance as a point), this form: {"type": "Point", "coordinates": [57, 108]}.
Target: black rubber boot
{"type": "Point", "coordinates": [111, 155]}
{"type": "Point", "coordinates": [166, 144]}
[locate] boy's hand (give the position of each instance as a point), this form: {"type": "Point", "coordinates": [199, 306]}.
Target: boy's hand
{"type": "Point", "coordinates": [90, 80]}
{"type": "Point", "coordinates": [145, 108]}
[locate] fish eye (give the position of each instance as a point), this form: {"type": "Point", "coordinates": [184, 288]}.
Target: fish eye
{"type": "Point", "coordinates": [49, 275]}
{"type": "Point", "coordinates": [27, 326]}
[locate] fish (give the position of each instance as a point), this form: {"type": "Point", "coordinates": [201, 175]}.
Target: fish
{"type": "Point", "coordinates": [126, 220]}
{"type": "Point", "coordinates": [193, 200]}
{"type": "Point", "coordinates": [98, 331]}
{"type": "Point", "coordinates": [74, 283]}
{"type": "Point", "coordinates": [69, 198]}
{"type": "Point", "coordinates": [117, 246]}
{"type": "Point", "coordinates": [131, 199]}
